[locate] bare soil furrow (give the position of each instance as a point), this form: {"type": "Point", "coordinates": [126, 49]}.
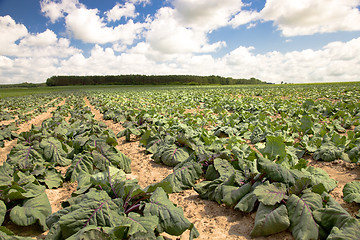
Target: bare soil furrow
{"type": "Point", "coordinates": [7, 122]}
{"type": "Point", "coordinates": [343, 173]}
{"type": "Point", "coordinates": [24, 128]}
{"type": "Point", "coordinates": [212, 220]}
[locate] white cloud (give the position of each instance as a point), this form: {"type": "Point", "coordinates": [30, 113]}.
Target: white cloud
{"type": "Point", "coordinates": [306, 17]}
{"type": "Point", "coordinates": [35, 70]}
{"type": "Point", "coordinates": [244, 17]}
{"type": "Point", "coordinates": [42, 39]}
{"type": "Point", "coordinates": [144, 2]}
{"type": "Point", "coordinates": [240, 56]}
{"type": "Point", "coordinates": [55, 10]}
{"type": "Point", "coordinates": [175, 41]}
{"type": "Point", "coordinates": [10, 32]}
{"type": "Point", "coordinates": [40, 47]}
{"type": "Point", "coordinates": [167, 35]}
{"type": "Point", "coordinates": [334, 62]}
{"type": "Point", "coordinates": [206, 15]}
{"type": "Point", "coordinates": [118, 11]}
{"type": "Point", "coordinates": [5, 63]}
{"type": "Point", "coordinates": [29, 57]}
{"type": "Point", "coordinates": [18, 42]}
{"type": "Point", "coordinates": [331, 63]}
{"type": "Point", "coordinates": [87, 25]}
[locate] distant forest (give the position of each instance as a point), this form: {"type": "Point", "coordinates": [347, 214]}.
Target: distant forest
{"type": "Point", "coordinates": [147, 80]}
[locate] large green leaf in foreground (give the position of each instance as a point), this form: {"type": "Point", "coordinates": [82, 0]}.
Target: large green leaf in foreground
{"type": "Point", "coordinates": [275, 148]}
{"type": "Point", "coordinates": [106, 155]}
{"type": "Point", "coordinates": [94, 208]}
{"type": "Point", "coordinates": [270, 220]}
{"type": "Point", "coordinates": [2, 212]}
{"type": "Point", "coordinates": [171, 218]}
{"type": "Point", "coordinates": [352, 192]}
{"type": "Point", "coordinates": [349, 231]}
{"type": "Point", "coordinates": [54, 152]}
{"type": "Point", "coordinates": [270, 194]}
{"type": "Point", "coordinates": [318, 175]}
{"type": "Point", "coordinates": [25, 157]}
{"type": "Point", "coordinates": [138, 224]}
{"type": "Point", "coordinates": [184, 176]}
{"type": "Point", "coordinates": [332, 215]}
{"type": "Point", "coordinates": [82, 163]}
{"type": "Point", "coordinates": [173, 155]}
{"type": "Point", "coordinates": [32, 211]}
{"type": "Point", "coordinates": [90, 233]}
{"type": "Point", "coordinates": [277, 172]}
{"type": "Point", "coordinates": [303, 225]}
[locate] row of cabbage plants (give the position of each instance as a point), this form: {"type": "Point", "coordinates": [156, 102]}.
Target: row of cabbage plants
{"type": "Point", "coordinates": [246, 148]}
{"type": "Point", "coordinates": [106, 204]}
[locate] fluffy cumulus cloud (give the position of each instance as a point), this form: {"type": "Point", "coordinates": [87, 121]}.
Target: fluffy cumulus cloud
{"type": "Point", "coordinates": [327, 64]}
{"type": "Point", "coordinates": [334, 62]}
{"type": "Point", "coordinates": [206, 15]}
{"type": "Point", "coordinates": [312, 16]}
{"type": "Point", "coordinates": [10, 32]}
{"type": "Point", "coordinates": [56, 10]}
{"type": "Point", "coordinates": [18, 42]}
{"type": "Point", "coordinates": [121, 11]}
{"type": "Point", "coordinates": [168, 36]}
{"type": "Point", "coordinates": [176, 40]}
{"type": "Point", "coordinates": [29, 57]}
{"type": "Point", "coordinates": [244, 17]}
{"type": "Point", "coordinates": [86, 24]}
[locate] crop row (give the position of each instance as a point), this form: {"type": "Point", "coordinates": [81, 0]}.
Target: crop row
{"type": "Point", "coordinates": [250, 149]}
{"type": "Point", "coordinates": [105, 205]}
{"type": "Point", "coordinates": [22, 109]}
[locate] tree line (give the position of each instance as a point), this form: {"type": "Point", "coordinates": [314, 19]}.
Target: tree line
{"type": "Point", "coordinates": [147, 80]}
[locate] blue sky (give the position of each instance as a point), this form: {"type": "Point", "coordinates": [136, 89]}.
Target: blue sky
{"type": "Point", "coordinates": [273, 40]}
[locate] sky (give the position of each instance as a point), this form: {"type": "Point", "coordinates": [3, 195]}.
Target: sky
{"type": "Point", "coordinates": [292, 41]}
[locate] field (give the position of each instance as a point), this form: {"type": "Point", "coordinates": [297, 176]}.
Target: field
{"type": "Point", "coordinates": [212, 162]}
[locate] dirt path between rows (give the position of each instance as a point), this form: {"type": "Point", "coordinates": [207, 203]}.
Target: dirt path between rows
{"type": "Point", "coordinates": [26, 127]}
{"type": "Point", "coordinates": [56, 196]}
{"type": "Point", "coordinates": [142, 166]}
{"type": "Point", "coordinates": [7, 122]}
{"type": "Point", "coordinates": [342, 172]}
{"type": "Point", "coordinates": [212, 220]}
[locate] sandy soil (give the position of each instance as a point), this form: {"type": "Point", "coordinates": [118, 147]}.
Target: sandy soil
{"type": "Point", "coordinates": [59, 195]}
{"type": "Point", "coordinates": [56, 196]}
{"type": "Point", "coordinates": [343, 173]}
{"type": "Point", "coordinates": [213, 221]}
{"type": "Point", "coordinates": [142, 166]}
{"type": "Point", "coordinates": [7, 122]}
{"type": "Point", "coordinates": [26, 127]}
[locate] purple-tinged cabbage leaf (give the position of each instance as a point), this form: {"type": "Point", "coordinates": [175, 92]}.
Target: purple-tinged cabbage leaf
{"type": "Point", "coordinates": [171, 218]}
{"type": "Point", "coordinates": [106, 155]}
{"type": "Point", "coordinates": [302, 222]}
{"type": "Point", "coordinates": [54, 151]}
{"type": "Point", "coordinates": [271, 194]}
{"type": "Point", "coordinates": [184, 175]}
